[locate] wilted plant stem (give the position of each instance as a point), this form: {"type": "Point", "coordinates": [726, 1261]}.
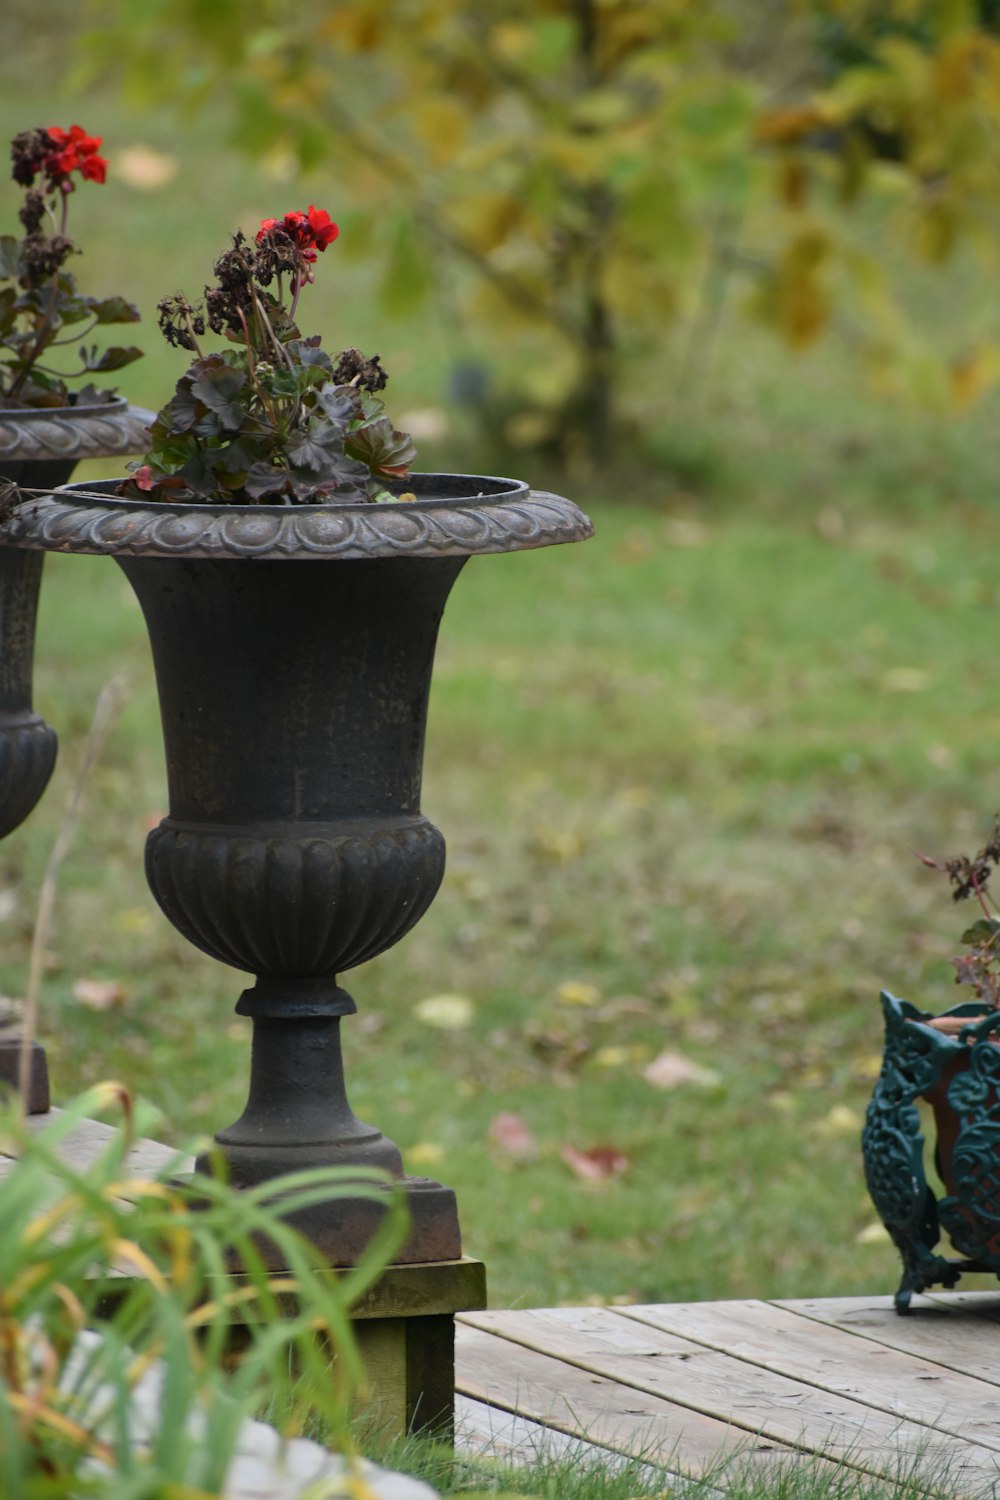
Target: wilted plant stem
{"type": "Point", "coordinates": [106, 710]}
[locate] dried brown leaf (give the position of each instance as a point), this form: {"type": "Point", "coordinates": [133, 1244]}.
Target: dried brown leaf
{"type": "Point", "coordinates": [100, 994]}
{"type": "Point", "coordinates": [509, 1133]}
{"type": "Point", "coordinates": [596, 1164]}
{"type": "Point", "coordinates": [671, 1069]}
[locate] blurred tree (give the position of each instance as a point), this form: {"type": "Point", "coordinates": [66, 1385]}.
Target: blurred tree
{"type": "Point", "coordinates": [905, 111]}
{"type": "Point", "coordinates": [599, 167]}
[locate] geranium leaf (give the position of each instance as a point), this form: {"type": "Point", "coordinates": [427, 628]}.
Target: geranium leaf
{"type": "Point", "coordinates": [72, 309]}
{"type": "Point", "coordinates": [328, 462]}
{"type": "Point", "coordinates": [321, 445]}
{"type": "Point", "coordinates": [281, 323]}
{"type": "Point", "coordinates": [308, 454]}
{"type": "Point", "coordinates": [262, 479]}
{"type": "Point", "coordinates": [308, 354]}
{"type": "Point", "coordinates": [382, 447]}
{"type": "Point", "coordinates": [198, 477]}
{"type": "Point", "coordinates": [984, 930]}
{"type": "Point", "coordinates": [114, 310]}
{"type": "Point", "coordinates": [10, 256]}
{"type": "Point", "coordinates": [339, 402]}
{"type": "Point", "coordinates": [219, 386]}
{"type": "Point", "coordinates": [7, 310]}
{"type": "Point", "coordinates": [182, 412]}
{"type": "Point", "coordinates": [115, 358]}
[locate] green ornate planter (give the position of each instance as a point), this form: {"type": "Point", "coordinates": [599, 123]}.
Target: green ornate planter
{"type": "Point", "coordinates": [959, 1076]}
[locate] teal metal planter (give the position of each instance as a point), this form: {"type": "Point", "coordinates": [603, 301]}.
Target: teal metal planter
{"type": "Point", "coordinates": [959, 1076]}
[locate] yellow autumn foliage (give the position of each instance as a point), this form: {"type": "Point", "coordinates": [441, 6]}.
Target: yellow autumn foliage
{"type": "Point", "coordinates": [589, 162]}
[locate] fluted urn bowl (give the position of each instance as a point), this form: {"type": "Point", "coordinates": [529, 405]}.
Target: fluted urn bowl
{"type": "Point", "coordinates": [293, 648]}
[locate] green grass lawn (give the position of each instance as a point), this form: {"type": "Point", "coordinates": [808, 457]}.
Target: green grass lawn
{"type": "Point", "coordinates": [681, 770]}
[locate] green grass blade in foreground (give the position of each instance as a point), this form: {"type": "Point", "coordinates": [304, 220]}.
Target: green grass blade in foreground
{"type": "Point", "coordinates": [270, 1301]}
{"type": "Point", "coordinates": [69, 1398]}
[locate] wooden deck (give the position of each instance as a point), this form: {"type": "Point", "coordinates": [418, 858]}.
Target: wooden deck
{"type": "Point", "coordinates": [687, 1384]}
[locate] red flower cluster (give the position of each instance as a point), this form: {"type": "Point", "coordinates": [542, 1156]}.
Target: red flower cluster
{"type": "Point", "coordinates": [75, 151]}
{"type": "Point", "coordinates": [308, 232]}
{"type": "Point", "coordinates": [54, 153]}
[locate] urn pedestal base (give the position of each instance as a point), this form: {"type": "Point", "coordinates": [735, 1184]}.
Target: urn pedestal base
{"type": "Point", "coordinates": [341, 1228]}
{"type": "Point", "coordinates": [297, 1116]}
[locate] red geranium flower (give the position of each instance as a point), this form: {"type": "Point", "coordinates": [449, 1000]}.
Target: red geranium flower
{"type": "Point", "coordinates": [73, 151]}
{"type": "Point", "coordinates": [321, 227]}
{"type": "Point", "coordinates": [308, 232]}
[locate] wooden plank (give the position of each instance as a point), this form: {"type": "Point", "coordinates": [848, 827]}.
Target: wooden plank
{"type": "Point", "coordinates": [583, 1405]}
{"type": "Point", "coordinates": [87, 1140]}
{"type": "Point", "coordinates": [981, 1304]}
{"type": "Point", "coordinates": [902, 1383]}
{"type": "Point", "coordinates": [491, 1432]}
{"type": "Point", "coordinates": [957, 1337]}
{"type": "Point", "coordinates": [778, 1407]}
{"type": "Point", "coordinates": [490, 1435]}
{"type": "Point", "coordinates": [83, 1145]}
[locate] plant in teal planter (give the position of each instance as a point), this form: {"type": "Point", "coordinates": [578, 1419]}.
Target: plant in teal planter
{"type": "Point", "coordinates": [952, 1062]}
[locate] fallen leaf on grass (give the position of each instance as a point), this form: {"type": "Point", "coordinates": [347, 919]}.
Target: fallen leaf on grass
{"type": "Point", "coordinates": [100, 994]}
{"type": "Point", "coordinates": [612, 1057]}
{"type": "Point", "coordinates": [134, 920]}
{"type": "Point", "coordinates": [578, 992]}
{"type": "Point", "coordinates": [558, 845]}
{"type": "Point", "coordinates": [595, 1165]}
{"type": "Point", "coordinates": [841, 1120]}
{"type": "Point", "coordinates": [671, 1069]}
{"type": "Point", "coordinates": [558, 1049]}
{"type": "Point", "coordinates": [425, 1154]}
{"type": "Point", "coordinates": [867, 1066]}
{"type": "Point", "coordinates": [446, 1012]}
{"type": "Point", "coordinates": [510, 1134]}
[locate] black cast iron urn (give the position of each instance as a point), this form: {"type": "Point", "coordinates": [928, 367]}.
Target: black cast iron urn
{"type": "Point", "coordinates": [293, 649]}
{"type": "Point", "coordinates": [39, 448]}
